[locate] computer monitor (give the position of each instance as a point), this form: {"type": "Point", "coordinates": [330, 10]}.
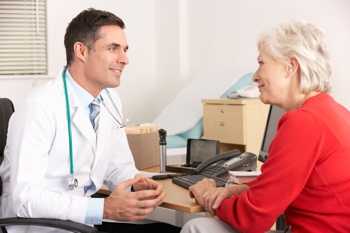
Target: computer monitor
{"type": "Point", "coordinates": [199, 150]}
{"type": "Point", "coordinates": [274, 116]}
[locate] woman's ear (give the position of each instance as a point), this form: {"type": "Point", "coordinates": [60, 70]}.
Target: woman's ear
{"type": "Point", "coordinates": [292, 67]}
{"type": "Point", "coordinates": [80, 51]}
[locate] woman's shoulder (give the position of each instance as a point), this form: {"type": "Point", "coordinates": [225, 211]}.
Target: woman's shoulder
{"type": "Point", "coordinates": [299, 118]}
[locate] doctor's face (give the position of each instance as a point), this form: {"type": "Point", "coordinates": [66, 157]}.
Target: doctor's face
{"type": "Point", "coordinates": [107, 58]}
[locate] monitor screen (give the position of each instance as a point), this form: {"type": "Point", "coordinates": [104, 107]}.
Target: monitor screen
{"type": "Point", "coordinates": [274, 116]}
{"type": "Point", "coordinates": [199, 150]}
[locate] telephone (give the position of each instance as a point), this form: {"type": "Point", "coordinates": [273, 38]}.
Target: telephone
{"type": "Point", "coordinates": [217, 168]}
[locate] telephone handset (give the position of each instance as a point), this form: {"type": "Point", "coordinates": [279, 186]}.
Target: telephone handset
{"type": "Point", "coordinates": [218, 159]}
{"type": "Point", "coordinates": [217, 168]}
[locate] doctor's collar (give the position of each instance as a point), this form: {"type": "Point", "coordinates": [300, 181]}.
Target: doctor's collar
{"type": "Point", "coordinates": [85, 98]}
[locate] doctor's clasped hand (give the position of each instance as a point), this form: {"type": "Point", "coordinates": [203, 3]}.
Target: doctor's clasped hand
{"type": "Point", "coordinates": [132, 206]}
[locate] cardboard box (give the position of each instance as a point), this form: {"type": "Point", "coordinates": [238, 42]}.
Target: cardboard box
{"type": "Point", "coordinates": [144, 145]}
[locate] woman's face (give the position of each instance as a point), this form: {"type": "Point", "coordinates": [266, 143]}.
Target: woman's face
{"type": "Point", "coordinates": [272, 79]}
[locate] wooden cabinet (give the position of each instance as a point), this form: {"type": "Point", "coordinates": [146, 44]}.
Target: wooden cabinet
{"type": "Point", "coordinates": [238, 122]}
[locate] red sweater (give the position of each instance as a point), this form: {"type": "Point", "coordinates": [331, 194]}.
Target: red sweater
{"type": "Point", "coordinates": [307, 174]}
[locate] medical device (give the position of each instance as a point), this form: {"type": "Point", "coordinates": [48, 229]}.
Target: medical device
{"type": "Point", "coordinates": [73, 181]}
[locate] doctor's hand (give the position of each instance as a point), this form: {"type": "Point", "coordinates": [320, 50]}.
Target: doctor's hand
{"type": "Point", "coordinates": [131, 206]}
{"type": "Point", "coordinates": [145, 183]}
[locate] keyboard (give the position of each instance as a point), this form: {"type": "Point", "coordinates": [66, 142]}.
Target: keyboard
{"type": "Point", "coordinates": [188, 180]}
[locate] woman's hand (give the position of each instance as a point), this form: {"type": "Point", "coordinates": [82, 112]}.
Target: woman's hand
{"type": "Point", "coordinates": [210, 197]}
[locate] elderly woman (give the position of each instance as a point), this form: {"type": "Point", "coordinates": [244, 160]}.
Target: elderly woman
{"type": "Point", "coordinates": [307, 173]}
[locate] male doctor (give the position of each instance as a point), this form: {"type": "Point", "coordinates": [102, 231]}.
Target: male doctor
{"type": "Point", "coordinates": [68, 139]}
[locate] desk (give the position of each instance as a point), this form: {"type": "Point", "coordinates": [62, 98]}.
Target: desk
{"type": "Point", "coordinates": [177, 207]}
{"type": "Point", "coordinates": [177, 198]}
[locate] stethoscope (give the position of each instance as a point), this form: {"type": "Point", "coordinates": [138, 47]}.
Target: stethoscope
{"type": "Point", "coordinates": [73, 181]}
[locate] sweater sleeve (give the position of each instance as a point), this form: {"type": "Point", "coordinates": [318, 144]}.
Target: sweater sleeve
{"type": "Point", "coordinates": [292, 157]}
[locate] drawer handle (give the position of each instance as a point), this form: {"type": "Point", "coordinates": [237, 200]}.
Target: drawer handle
{"type": "Point", "coordinates": [222, 110]}
{"type": "Point", "coordinates": [221, 123]}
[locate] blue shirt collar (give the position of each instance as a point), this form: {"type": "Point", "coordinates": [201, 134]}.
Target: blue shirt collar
{"type": "Point", "coordinates": [84, 96]}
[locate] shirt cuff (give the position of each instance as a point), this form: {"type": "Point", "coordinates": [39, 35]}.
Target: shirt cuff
{"type": "Point", "coordinates": [94, 213]}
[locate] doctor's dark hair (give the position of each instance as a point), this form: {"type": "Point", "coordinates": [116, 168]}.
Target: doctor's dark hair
{"type": "Point", "coordinates": [85, 28]}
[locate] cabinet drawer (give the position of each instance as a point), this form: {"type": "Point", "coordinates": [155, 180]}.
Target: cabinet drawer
{"type": "Point", "coordinates": [224, 123]}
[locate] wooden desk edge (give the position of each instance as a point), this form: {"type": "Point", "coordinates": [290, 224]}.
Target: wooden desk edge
{"type": "Point", "coordinates": [188, 209]}
{"type": "Point", "coordinates": [172, 203]}
{"type": "Point", "coordinates": [192, 209]}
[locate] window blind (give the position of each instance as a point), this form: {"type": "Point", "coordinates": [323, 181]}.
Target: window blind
{"type": "Point", "coordinates": [23, 44]}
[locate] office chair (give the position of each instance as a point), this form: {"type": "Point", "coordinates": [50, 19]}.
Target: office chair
{"type": "Point", "coordinates": [6, 110]}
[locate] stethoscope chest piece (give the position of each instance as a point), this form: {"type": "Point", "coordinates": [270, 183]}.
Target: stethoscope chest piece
{"type": "Point", "coordinates": [72, 183]}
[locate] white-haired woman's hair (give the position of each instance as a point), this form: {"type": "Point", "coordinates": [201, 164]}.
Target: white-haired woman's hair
{"type": "Point", "coordinates": [306, 43]}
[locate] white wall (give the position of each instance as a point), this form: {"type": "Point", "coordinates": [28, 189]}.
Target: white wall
{"type": "Point", "coordinates": [223, 35]}
{"type": "Point", "coordinates": [139, 79]}
{"type": "Point", "coordinates": [175, 42]}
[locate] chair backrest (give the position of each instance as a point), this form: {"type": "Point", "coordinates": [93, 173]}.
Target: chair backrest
{"type": "Point", "coordinates": [6, 110]}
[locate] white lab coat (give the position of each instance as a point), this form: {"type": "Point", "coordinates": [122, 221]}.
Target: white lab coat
{"type": "Point", "coordinates": [35, 170]}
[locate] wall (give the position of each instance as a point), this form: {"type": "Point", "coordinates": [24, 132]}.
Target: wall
{"type": "Point", "coordinates": [173, 43]}
{"type": "Point", "coordinates": [138, 81]}
{"type": "Point", "coordinates": [222, 35]}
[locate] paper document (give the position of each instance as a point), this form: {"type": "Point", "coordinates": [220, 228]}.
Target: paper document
{"type": "Point", "coordinates": [245, 173]}
{"type": "Point", "coordinates": [242, 177]}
